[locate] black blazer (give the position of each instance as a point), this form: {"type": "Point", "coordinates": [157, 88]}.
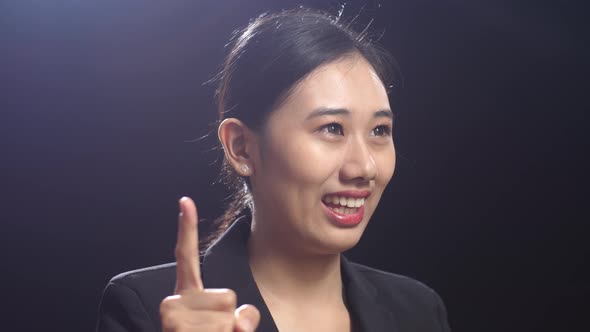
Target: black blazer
{"type": "Point", "coordinates": [376, 300]}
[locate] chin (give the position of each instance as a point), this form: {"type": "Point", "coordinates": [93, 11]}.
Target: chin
{"type": "Point", "coordinates": [339, 240]}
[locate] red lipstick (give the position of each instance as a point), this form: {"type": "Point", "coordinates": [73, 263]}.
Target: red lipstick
{"type": "Point", "coordinates": [345, 219]}
{"type": "Point", "coordinates": [348, 220]}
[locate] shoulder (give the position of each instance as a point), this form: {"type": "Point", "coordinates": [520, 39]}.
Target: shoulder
{"type": "Point", "coordinates": [414, 302]}
{"type": "Point", "coordinates": [151, 284]}
{"type": "Point", "coordinates": [159, 275]}
{"type": "Point", "coordinates": [397, 283]}
{"type": "Point", "coordinates": [131, 300]}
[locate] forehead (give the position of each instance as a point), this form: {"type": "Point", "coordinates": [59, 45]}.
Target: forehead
{"type": "Point", "coordinates": [350, 82]}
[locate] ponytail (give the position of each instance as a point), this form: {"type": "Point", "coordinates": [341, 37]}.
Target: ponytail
{"type": "Point", "coordinates": [240, 203]}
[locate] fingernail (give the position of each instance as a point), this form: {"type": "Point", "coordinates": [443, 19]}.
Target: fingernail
{"type": "Point", "coordinates": [246, 325]}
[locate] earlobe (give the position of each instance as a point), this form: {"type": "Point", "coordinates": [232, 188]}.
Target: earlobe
{"type": "Point", "coordinates": [245, 169]}
{"type": "Point", "coordinates": [235, 137]}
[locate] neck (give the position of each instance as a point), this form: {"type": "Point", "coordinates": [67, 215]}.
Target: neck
{"type": "Point", "coordinates": [282, 273]}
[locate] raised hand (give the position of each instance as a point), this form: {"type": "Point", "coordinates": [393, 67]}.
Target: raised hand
{"type": "Point", "coordinates": [193, 308]}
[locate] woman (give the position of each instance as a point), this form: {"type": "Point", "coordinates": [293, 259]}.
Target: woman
{"type": "Point", "coordinates": [307, 136]}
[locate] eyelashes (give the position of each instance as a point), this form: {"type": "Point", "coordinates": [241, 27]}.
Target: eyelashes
{"type": "Point", "coordinates": [384, 130]}
{"type": "Point", "coordinates": [335, 128]}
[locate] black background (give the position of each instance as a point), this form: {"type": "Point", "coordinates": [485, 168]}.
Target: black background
{"type": "Point", "coordinates": [102, 103]}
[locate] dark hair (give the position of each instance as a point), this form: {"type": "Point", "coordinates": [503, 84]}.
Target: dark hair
{"type": "Point", "coordinates": [267, 59]}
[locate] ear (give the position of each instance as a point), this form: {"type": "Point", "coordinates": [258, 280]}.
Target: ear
{"type": "Point", "coordinates": [239, 145]}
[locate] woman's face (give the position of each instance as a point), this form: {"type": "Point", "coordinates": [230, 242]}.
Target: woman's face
{"type": "Point", "coordinates": [329, 145]}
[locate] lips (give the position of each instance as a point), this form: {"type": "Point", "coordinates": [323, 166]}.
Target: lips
{"type": "Point", "coordinates": [345, 208]}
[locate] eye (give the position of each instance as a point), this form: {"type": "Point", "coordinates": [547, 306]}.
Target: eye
{"type": "Point", "coordinates": [333, 129]}
{"type": "Point", "coordinates": [382, 130]}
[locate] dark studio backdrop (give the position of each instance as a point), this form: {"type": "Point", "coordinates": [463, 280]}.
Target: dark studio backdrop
{"type": "Point", "coordinates": [102, 103]}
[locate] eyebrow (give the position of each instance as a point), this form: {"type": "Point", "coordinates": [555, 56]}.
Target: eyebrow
{"type": "Point", "coordinates": [323, 111]}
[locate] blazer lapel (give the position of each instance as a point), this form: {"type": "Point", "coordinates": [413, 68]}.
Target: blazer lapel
{"type": "Point", "coordinates": [225, 265]}
{"type": "Point", "coordinates": [364, 301]}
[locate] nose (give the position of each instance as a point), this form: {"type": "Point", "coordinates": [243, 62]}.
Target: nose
{"type": "Point", "coordinates": [358, 163]}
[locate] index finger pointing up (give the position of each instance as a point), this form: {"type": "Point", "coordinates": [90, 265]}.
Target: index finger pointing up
{"type": "Point", "coordinates": [188, 270]}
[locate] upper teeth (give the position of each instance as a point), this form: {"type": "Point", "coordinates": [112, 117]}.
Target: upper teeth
{"type": "Point", "coordinates": [345, 201]}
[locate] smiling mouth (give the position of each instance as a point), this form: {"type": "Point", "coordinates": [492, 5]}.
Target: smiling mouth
{"type": "Point", "coordinates": [342, 204]}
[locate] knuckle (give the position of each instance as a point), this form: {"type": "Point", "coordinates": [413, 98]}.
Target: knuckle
{"type": "Point", "coordinates": [169, 322]}
{"type": "Point", "coordinates": [167, 304]}
{"type": "Point", "coordinates": [228, 299]}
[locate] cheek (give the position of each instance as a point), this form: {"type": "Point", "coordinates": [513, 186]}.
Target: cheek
{"type": "Point", "coordinates": [386, 164]}
{"type": "Point", "coordinates": [293, 175]}
{"type": "Point", "coordinates": [303, 161]}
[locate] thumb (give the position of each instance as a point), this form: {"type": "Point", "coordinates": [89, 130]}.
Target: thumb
{"type": "Point", "coordinates": [247, 317]}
